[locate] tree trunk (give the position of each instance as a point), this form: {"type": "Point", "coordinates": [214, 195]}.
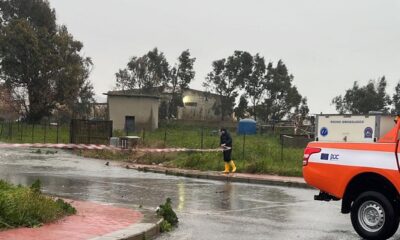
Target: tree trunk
{"type": "Point", "coordinates": [38, 102]}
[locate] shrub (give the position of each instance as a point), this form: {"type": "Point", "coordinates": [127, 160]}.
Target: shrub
{"type": "Point", "coordinates": [165, 226]}
{"type": "Point", "coordinates": [170, 218]}
{"type": "Point", "coordinates": [36, 185]}
{"type": "Point", "coordinates": [66, 207]}
{"type": "Point", "coordinates": [28, 207]}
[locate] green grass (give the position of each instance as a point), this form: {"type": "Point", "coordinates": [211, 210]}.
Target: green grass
{"type": "Point", "coordinates": [28, 133]}
{"type": "Point", "coordinates": [252, 154]}
{"type": "Point", "coordinates": [28, 207]}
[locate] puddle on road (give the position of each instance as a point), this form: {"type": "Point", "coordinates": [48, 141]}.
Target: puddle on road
{"type": "Point", "coordinates": [203, 204]}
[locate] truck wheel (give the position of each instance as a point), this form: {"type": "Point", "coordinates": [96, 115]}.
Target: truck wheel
{"type": "Point", "coordinates": [373, 216]}
{"type": "Point", "coordinates": [395, 227]}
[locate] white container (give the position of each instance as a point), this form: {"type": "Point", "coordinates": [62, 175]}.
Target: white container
{"type": "Point", "coordinates": [352, 128]}
{"type": "Point", "coordinates": [129, 142]}
{"type": "Point", "coordinates": [114, 141]}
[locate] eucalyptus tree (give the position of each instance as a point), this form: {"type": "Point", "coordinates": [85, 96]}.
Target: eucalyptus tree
{"type": "Point", "coordinates": [363, 99]}
{"type": "Point", "coordinates": [255, 83]}
{"type": "Point", "coordinates": [40, 62]}
{"type": "Point", "coordinates": [144, 73]}
{"type": "Point", "coordinates": [282, 97]}
{"type": "Point", "coordinates": [226, 78]}
{"type": "Point", "coordinates": [181, 76]}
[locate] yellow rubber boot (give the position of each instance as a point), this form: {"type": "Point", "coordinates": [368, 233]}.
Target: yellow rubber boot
{"type": "Point", "coordinates": [233, 166]}
{"type": "Point", "coordinates": [226, 168]}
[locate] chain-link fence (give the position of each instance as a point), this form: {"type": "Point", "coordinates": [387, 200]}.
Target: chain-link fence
{"type": "Point", "coordinates": [43, 132]}
{"type": "Point", "coordinates": [77, 131]}
{"type": "Point", "coordinates": [166, 136]}
{"type": "Point", "coordinates": [245, 146]}
{"type": "Point", "coordinates": [262, 152]}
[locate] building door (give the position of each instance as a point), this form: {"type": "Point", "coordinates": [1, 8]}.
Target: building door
{"type": "Point", "coordinates": [129, 124]}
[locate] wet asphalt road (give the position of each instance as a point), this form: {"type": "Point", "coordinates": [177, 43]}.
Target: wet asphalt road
{"type": "Point", "coordinates": [206, 209]}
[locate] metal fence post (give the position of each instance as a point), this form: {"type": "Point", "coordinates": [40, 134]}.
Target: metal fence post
{"type": "Point", "coordinates": [45, 133]}
{"type": "Point", "coordinates": [22, 130]}
{"type": "Point", "coordinates": [90, 132]}
{"type": "Point", "coordinates": [281, 136]}
{"type": "Point", "coordinates": [33, 131]}
{"type": "Point", "coordinates": [1, 133]}
{"type": "Point", "coordinates": [244, 144]}
{"type": "Point", "coordinates": [10, 130]}
{"type": "Point", "coordinates": [58, 128]}
{"type": "Point", "coordinates": [71, 133]}
{"type": "Point", "coordinates": [202, 137]}
{"type": "Point", "coordinates": [165, 137]}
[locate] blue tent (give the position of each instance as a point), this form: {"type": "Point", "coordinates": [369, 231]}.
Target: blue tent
{"type": "Point", "coordinates": [247, 126]}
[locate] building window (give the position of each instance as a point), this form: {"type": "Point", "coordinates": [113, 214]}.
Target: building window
{"type": "Point", "coordinates": [190, 104]}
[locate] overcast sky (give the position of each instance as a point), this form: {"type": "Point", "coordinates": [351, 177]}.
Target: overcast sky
{"type": "Point", "coordinates": [326, 45]}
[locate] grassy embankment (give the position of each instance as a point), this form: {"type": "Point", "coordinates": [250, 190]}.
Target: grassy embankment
{"type": "Point", "coordinates": [28, 207]}
{"type": "Point", "coordinates": [262, 153]}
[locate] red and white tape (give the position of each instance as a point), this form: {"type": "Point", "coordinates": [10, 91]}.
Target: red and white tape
{"type": "Point", "coordinates": [58, 145]}
{"type": "Point", "coordinates": [160, 150]}
{"type": "Point", "coordinates": [105, 147]}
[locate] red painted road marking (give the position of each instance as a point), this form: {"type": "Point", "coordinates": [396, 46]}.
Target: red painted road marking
{"type": "Point", "coordinates": [92, 220]}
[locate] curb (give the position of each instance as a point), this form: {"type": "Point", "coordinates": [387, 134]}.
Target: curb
{"type": "Point", "coordinates": [137, 231]}
{"type": "Point", "coordinates": [272, 180]}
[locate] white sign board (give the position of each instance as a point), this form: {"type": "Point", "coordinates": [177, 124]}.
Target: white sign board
{"type": "Point", "coordinates": [352, 128]}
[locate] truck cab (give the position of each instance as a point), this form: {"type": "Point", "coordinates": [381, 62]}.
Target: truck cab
{"type": "Point", "coordinates": [355, 158]}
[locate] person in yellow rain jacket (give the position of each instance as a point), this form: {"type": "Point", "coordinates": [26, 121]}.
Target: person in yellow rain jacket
{"type": "Point", "coordinates": [226, 143]}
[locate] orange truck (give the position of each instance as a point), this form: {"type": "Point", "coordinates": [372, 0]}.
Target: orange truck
{"type": "Point", "coordinates": [355, 158]}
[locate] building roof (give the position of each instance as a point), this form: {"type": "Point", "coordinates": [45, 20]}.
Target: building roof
{"type": "Point", "coordinates": [153, 92]}
{"type": "Point", "coordinates": [204, 92]}
{"type": "Point", "coordinates": [130, 93]}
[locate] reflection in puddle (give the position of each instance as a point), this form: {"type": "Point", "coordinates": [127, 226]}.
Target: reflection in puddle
{"type": "Point", "coordinates": [226, 196]}
{"type": "Point", "coordinates": [181, 194]}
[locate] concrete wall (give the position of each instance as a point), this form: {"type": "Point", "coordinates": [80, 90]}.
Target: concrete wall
{"type": "Point", "coordinates": [198, 106]}
{"type": "Point", "coordinates": [144, 109]}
